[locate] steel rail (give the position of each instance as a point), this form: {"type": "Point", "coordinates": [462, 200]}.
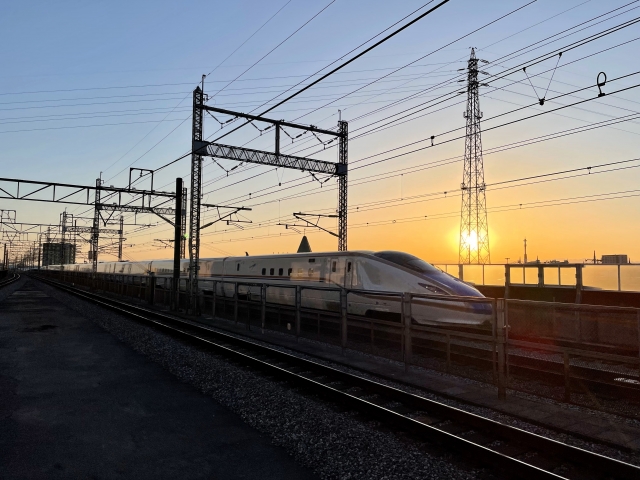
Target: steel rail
{"type": "Point", "coordinates": [9, 281]}
{"type": "Point", "coordinates": [338, 386]}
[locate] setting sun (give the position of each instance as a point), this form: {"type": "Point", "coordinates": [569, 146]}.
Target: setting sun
{"type": "Point", "coordinates": [470, 240]}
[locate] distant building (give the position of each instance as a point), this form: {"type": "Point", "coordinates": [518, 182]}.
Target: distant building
{"type": "Point", "coordinates": [614, 259]}
{"type": "Point", "coordinates": [58, 254]}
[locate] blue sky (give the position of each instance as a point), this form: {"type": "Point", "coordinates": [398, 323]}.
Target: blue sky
{"type": "Point", "coordinates": [90, 87]}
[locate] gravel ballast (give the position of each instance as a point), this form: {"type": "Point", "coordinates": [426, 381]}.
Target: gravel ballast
{"type": "Point", "coordinates": [560, 436]}
{"type": "Point", "coordinates": [334, 443]}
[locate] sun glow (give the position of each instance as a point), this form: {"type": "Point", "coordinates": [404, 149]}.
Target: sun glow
{"type": "Point", "coordinates": [470, 240]}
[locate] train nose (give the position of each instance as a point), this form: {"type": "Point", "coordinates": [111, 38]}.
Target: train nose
{"type": "Point", "coordinates": [482, 308]}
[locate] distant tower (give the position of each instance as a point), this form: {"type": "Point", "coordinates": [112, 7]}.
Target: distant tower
{"type": "Point", "coordinates": [474, 229]}
{"type": "Point", "coordinates": [525, 250]}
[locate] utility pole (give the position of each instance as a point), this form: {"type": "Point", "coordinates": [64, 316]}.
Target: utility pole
{"type": "Point", "coordinates": [121, 238]}
{"type": "Point", "coordinates": [474, 228]}
{"type": "Point", "coordinates": [64, 229]}
{"type": "Point", "coordinates": [95, 234]}
{"type": "Point", "coordinates": [525, 250]}
{"type": "Point", "coordinates": [196, 198]}
{"type": "Point", "coordinates": [343, 156]}
{"type": "Point", "coordinates": [183, 236]}
{"type": "Point", "coordinates": [177, 246]}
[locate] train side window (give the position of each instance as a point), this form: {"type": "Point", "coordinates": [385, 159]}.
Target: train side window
{"type": "Point", "coordinates": [348, 266]}
{"type": "Point", "coordinates": [290, 270]}
{"type": "Point", "coordinates": [333, 266]}
{"type": "Point", "coordinates": [237, 267]}
{"type": "Point", "coordinates": [312, 260]}
{"type": "Point", "coordinates": [280, 271]}
{"type": "Point", "coordinates": [271, 271]}
{"type": "Point", "coordinates": [264, 271]}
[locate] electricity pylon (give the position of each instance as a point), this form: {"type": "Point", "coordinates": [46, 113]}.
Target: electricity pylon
{"type": "Point", "coordinates": [474, 228]}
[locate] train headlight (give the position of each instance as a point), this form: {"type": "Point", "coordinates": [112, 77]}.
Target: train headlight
{"type": "Point", "coordinates": [433, 289]}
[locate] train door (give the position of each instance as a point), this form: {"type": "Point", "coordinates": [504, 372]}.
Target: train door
{"type": "Point", "coordinates": [348, 272]}
{"type": "Point", "coordinates": [336, 272]}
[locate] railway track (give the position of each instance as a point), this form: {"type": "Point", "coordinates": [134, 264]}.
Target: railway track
{"type": "Point", "coordinates": [513, 452]}
{"type": "Point", "coordinates": [550, 370]}
{"type": "Point", "coordinates": [8, 281]}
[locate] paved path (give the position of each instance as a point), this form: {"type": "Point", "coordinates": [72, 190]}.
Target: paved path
{"type": "Point", "coordinates": [77, 403]}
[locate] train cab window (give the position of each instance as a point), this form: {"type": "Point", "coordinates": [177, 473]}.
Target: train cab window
{"type": "Point", "coordinates": [334, 265]}
{"type": "Point", "coordinates": [280, 271]}
{"type": "Point", "coordinates": [408, 261]}
{"type": "Point", "coordinates": [290, 270]}
{"type": "Point", "coordinates": [264, 271]}
{"type": "Point", "coordinates": [271, 271]}
{"type": "Point", "coordinates": [348, 266]}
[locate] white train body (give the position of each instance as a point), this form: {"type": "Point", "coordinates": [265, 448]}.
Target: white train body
{"type": "Point", "coordinates": [366, 272]}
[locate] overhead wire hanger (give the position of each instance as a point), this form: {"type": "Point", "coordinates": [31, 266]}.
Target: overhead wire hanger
{"type": "Point", "coordinates": [222, 124]}
{"type": "Point", "coordinates": [225, 170]}
{"type": "Point", "coordinates": [287, 134]}
{"type": "Point", "coordinates": [542, 99]}
{"type": "Point", "coordinates": [321, 182]}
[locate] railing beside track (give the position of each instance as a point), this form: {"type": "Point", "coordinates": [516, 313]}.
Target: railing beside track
{"type": "Point", "coordinates": [573, 346]}
{"type": "Point", "coordinates": [579, 344]}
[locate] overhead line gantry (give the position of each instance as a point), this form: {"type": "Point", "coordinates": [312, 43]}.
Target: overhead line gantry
{"type": "Point", "coordinates": [122, 199]}
{"type": "Point", "coordinates": [201, 148]}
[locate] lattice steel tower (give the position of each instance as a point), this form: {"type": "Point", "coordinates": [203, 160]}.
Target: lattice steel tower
{"type": "Point", "coordinates": [474, 228]}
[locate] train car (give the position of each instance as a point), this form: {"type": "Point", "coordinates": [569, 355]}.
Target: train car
{"type": "Point", "coordinates": [375, 278]}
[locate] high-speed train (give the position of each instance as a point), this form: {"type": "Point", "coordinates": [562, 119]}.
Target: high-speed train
{"type": "Point", "coordinates": [370, 274]}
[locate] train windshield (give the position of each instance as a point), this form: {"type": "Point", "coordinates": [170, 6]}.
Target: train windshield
{"type": "Point", "coordinates": [407, 261]}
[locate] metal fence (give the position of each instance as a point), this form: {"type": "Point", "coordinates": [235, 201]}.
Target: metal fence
{"type": "Point", "coordinates": [578, 347]}
{"type": "Point", "coordinates": [620, 277]}
{"type": "Point", "coordinates": [524, 343]}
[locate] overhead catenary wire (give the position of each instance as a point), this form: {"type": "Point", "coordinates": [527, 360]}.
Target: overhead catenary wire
{"type": "Point", "coordinates": [344, 64]}
{"type": "Point", "coordinates": [583, 42]}
{"type": "Point", "coordinates": [490, 151]}
{"type": "Point", "coordinates": [510, 183]}
{"type": "Point", "coordinates": [274, 48]}
{"type": "Point", "coordinates": [491, 128]}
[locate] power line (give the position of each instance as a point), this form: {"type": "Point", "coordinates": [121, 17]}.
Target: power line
{"type": "Point", "coordinates": [247, 39]}
{"type": "Point", "coordinates": [492, 128]}
{"type": "Point", "coordinates": [600, 33]}
{"type": "Point", "coordinates": [428, 54]}
{"type": "Point", "coordinates": [182, 100]}
{"type": "Point", "coordinates": [341, 66]}
{"type": "Point", "coordinates": [274, 48]}
{"type": "Point", "coordinates": [456, 159]}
